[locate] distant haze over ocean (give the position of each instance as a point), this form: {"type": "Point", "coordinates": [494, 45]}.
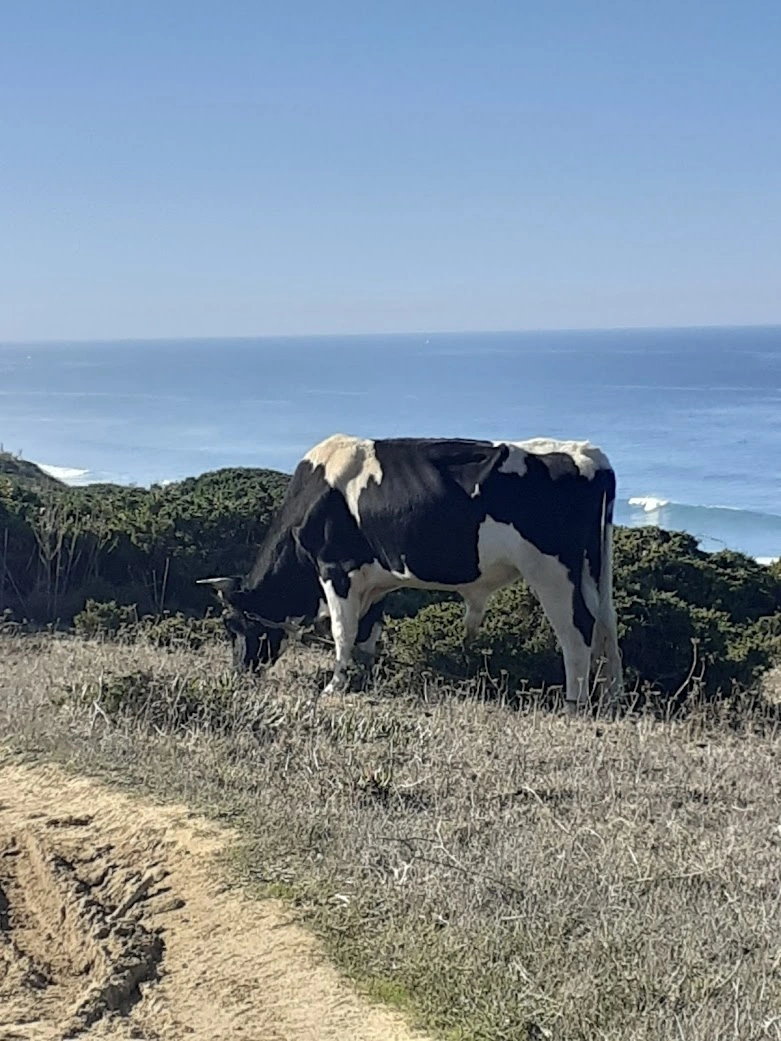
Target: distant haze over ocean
{"type": "Point", "coordinates": [691, 418]}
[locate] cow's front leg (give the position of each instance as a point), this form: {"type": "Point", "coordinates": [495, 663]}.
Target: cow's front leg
{"type": "Point", "coordinates": [344, 608]}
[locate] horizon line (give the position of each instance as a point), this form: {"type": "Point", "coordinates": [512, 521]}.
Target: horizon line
{"type": "Point", "coordinates": [375, 334]}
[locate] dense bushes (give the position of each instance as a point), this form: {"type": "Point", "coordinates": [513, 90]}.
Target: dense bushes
{"type": "Point", "coordinates": [61, 546]}
{"type": "Point", "coordinates": [514, 643]}
{"type": "Point", "coordinates": [110, 620]}
{"type": "Point", "coordinates": [676, 602]}
{"type": "Point", "coordinates": [122, 560]}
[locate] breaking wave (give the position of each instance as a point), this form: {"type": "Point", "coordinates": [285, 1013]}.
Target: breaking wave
{"type": "Point", "coordinates": [715, 527]}
{"type": "Point", "coordinates": [66, 474]}
{"type": "Point", "coordinates": [78, 477]}
{"type": "Point", "coordinates": [648, 503]}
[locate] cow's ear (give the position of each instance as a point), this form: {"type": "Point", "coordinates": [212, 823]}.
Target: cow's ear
{"type": "Point", "coordinates": [224, 587]}
{"type": "Point", "coordinates": [469, 465]}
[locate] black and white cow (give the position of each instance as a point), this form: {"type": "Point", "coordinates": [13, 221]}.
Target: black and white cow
{"type": "Point", "coordinates": [363, 517]}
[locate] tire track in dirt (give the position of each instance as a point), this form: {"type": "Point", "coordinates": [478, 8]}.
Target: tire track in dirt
{"type": "Point", "coordinates": [65, 949]}
{"type": "Point", "coordinates": [115, 923]}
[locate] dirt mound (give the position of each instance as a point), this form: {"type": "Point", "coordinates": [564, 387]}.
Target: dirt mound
{"type": "Point", "coordinates": [114, 923]}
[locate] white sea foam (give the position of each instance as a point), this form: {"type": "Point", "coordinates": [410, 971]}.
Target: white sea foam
{"type": "Point", "coordinates": [66, 474]}
{"type": "Point", "coordinates": [648, 502]}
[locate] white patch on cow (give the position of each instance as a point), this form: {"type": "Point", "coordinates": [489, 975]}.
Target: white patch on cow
{"type": "Point", "coordinates": [587, 458]}
{"type": "Point", "coordinates": [501, 549]}
{"type": "Point", "coordinates": [515, 463]}
{"type": "Point", "coordinates": [403, 576]}
{"type": "Point", "coordinates": [373, 581]}
{"type": "Point", "coordinates": [345, 618]}
{"type": "Point", "coordinates": [605, 644]}
{"type": "Point", "coordinates": [348, 463]}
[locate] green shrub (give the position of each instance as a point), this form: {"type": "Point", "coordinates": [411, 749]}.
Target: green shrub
{"type": "Point", "coordinates": [9, 626]}
{"type": "Point", "coordinates": [119, 621]}
{"type": "Point", "coordinates": [160, 700]}
{"type": "Point", "coordinates": [514, 645]}
{"type": "Point", "coordinates": [104, 619]}
{"type": "Point", "coordinates": [650, 559]}
{"type": "Point", "coordinates": [180, 630]}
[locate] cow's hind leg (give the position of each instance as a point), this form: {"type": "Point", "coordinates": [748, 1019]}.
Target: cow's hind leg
{"type": "Point", "coordinates": [345, 616]}
{"type": "Point", "coordinates": [475, 600]}
{"type": "Point", "coordinates": [606, 652]}
{"type": "Point", "coordinates": [365, 652]}
{"type": "Point", "coordinates": [369, 631]}
{"type": "Point", "coordinates": [561, 597]}
{"type": "Point", "coordinates": [606, 655]}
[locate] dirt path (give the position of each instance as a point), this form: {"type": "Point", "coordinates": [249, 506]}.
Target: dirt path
{"type": "Point", "coordinates": [114, 923]}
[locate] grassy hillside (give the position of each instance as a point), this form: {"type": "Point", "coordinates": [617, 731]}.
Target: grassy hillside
{"type": "Point", "coordinates": [500, 875]}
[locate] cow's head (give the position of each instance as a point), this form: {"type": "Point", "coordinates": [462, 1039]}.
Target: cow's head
{"type": "Point", "coordinates": [256, 640]}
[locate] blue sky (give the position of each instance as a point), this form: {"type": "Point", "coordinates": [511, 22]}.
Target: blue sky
{"type": "Point", "coordinates": [209, 169]}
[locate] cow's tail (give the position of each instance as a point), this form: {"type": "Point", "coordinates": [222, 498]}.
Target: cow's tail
{"type": "Point", "coordinates": [605, 651]}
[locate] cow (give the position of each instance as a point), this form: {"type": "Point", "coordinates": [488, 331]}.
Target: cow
{"type": "Point", "coordinates": [364, 517]}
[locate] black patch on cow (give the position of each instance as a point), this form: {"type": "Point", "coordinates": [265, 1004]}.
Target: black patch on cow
{"type": "Point", "coordinates": [604, 495]}
{"type": "Point", "coordinates": [467, 463]}
{"type": "Point", "coordinates": [581, 616]}
{"type": "Point", "coordinates": [330, 536]}
{"type": "Point", "coordinates": [423, 515]}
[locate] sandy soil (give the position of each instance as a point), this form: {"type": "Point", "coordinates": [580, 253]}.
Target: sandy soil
{"type": "Point", "coordinates": [115, 923]}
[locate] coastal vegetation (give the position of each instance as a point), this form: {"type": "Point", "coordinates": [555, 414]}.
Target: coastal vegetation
{"type": "Point", "coordinates": [110, 558]}
{"type": "Point", "coordinates": [490, 868]}
{"type": "Point", "coordinates": [107, 558]}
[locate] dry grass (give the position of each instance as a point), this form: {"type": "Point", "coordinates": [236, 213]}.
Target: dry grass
{"type": "Point", "coordinates": [501, 874]}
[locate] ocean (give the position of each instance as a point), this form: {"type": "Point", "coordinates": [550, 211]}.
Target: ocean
{"type": "Point", "coordinates": [691, 418]}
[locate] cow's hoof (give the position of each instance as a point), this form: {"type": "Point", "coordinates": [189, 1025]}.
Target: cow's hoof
{"type": "Point", "coordinates": [336, 685]}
